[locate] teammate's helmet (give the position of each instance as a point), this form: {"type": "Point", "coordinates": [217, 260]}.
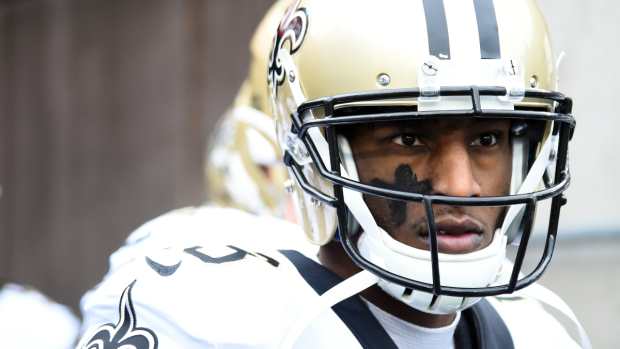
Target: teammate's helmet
{"type": "Point", "coordinates": [243, 164]}
{"type": "Point", "coordinates": [356, 84]}
{"type": "Point", "coordinates": [243, 167]}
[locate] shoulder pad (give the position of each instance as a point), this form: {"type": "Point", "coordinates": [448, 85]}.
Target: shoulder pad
{"type": "Point", "coordinates": [527, 315]}
{"type": "Point", "coordinates": [199, 295]}
{"type": "Point", "coordinates": [193, 226]}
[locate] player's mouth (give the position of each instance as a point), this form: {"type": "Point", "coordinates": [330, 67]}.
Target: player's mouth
{"type": "Point", "coordinates": [456, 236]}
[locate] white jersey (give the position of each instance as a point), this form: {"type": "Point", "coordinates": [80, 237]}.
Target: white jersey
{"type": "Point", "coordinates": [28, 319]}
{"type": "Point", "coordinates": [220, 278]}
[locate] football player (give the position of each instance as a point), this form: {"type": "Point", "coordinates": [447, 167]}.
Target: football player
{"type": "Point", "coordinates": [420, 136]}
{"type": "Point", "coordinates": [243, 167]}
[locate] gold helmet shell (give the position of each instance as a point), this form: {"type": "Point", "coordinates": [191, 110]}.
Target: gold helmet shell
{"type": "Point", "coordinates": [330, 48]}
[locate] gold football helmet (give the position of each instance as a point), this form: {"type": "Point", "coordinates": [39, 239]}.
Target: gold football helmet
{"type": "Point", "coordinates": [360, 89]}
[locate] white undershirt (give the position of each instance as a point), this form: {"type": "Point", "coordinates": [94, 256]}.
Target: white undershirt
{"type": "Point", "coordinates": [407, 335]}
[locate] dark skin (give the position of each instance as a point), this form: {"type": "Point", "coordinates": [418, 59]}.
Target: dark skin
{"type": "Point", "coordinates": [466, 158]}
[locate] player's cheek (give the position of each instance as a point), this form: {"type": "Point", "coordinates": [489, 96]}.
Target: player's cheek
{"type": "Point", "coordinates": [493, 174]}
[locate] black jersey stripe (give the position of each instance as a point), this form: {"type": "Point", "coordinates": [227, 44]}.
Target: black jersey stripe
{"type": "Point", "coordinates": [487, 29]}
{"type": "Point", "coordinates": [352, 311]}
{"type": "Point", "coordinates": [480, 325]}
{"type": "Point", "coordinates": [437, 29]}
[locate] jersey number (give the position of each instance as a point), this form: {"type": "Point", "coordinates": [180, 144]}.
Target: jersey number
{"type": "Point", "coordinates": [237, 255]}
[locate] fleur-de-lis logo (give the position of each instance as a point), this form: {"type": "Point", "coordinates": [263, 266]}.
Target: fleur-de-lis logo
{"type": "Point", "coordinates": [292, 29]}
{"type": "Point", "coordinates": [125, 334]}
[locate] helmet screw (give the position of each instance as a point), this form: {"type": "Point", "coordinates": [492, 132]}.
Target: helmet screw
{"type": "Point", "coordinates": [430, 67]}
{"type": "Point", "coordinates": [383, 79]}
{"type": "Point", "coordinates": [534, 81]}
{"type": "Point", "coordinates": [512, 68]}
{"type": "Point", "coordinates": [291, 76]}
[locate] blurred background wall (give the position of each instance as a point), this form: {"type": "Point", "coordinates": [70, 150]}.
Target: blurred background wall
{"type": "Point", "coordinates": [106, 105]}
{"type": "Point", "coordinates": [586, 267]}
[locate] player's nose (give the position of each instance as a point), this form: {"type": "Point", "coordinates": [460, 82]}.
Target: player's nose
{"type": "Point", "coordinates": [452, 171]}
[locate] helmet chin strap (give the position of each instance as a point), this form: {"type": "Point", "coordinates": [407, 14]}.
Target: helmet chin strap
{"type": "Point", "coordinates": [511, 223]}
{"type": "Point", "coordinates": [344, 290]}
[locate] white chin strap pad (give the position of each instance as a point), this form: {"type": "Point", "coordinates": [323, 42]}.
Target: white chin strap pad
{"type": "Point", "coordinates": [476, 269]}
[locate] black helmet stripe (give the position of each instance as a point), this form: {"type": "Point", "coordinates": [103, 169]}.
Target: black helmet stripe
{"type": "Point", "coordinates": [487, 29]}
{"type": "Point", "coordinates": [437, 29]}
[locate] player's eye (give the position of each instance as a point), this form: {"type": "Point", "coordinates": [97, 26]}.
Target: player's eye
{"type": "Point", "coordinates": [486, 140]}
{"type": "Point", "coordinates": [407, 140]}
